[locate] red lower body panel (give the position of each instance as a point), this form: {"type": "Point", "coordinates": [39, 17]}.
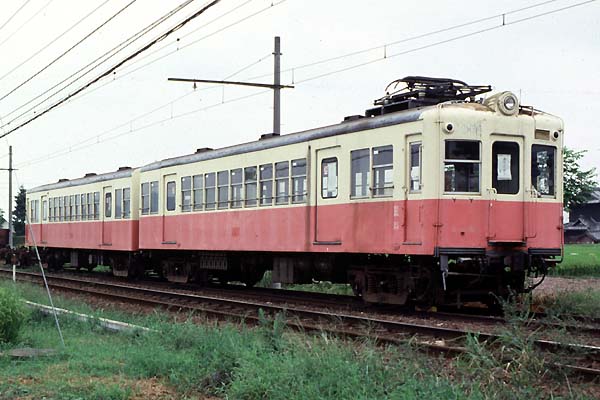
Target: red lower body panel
{"type": "Point", "coordinates": [113, 235]}
{"type": "Point", "coordinates": [393, 227]}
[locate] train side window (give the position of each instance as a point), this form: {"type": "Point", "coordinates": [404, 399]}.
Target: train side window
{"type": "Point", "coordinates": [209, 185]}
{"type": "Point", "coordinates": [543, 168]}
{"type": "Point", "coordinates": [383, 171]}
{"type": "Point", "coordinates": [171, 192]}
{"type": "Point", "coordinates": [90, 206]}
{"type": "Point", "coordinates": [236, 188]}
{"type": "Point", "coordinates": [416, 167]}
{"type": "Point", "coordinates": [44, 210]}
{"type": "Point", "coordinates": [153, 197]}
{"type": "Point", "coordinates": [126, 203]}
{"type": "Point", "coordinates": [118, 203]}
{"type": "Point", "coordinates": [72, 208]}
{"type": "Point", "coordinates": [198, 184]}
{"type": "Point", "coordinates": [505, 167]}
{"type": "Point", "coordinates": [50, 208]}
{"type": "Point", "coordinates": [186, 193]}
{"type": "Point", "coordinates": [250, 178]}
{"type": "Point", "coordinates": [96, 205]}
{"type": "Point", "coordinates": [77, 208]}
{"type": "Point", "coordinates": [462, 166]}
{"type": "Point", "coordinates": [108, 205]}
{"type": "Point", "coordinates": [359, 173]}
{"type": "Point", "coordinates": [282, 182]}
{"type": "Point", "coordinates": [60, 208]}
{"type": "Point", "coordinates": [83, 207]}
{"type": "Point", "coordinates": [66, 207]}
{"type": "Point", "coordinates": [145, 198]}
{"type": "Point", "coordinates": [299, 181]}
{"type": "Point", "coordinates": [329, 178]}
{"type": "Point", "coordinates": [223, 184]}
{"type": "Point", "coordinates": [266, 184]}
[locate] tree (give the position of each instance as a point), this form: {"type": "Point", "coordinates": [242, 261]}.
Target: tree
{"type": "Point", "coordinates": [2, 218]}
{"type": "Point", "coordinates": [19, 213]}
{"type": "Point", "coordinates": [578, 184]}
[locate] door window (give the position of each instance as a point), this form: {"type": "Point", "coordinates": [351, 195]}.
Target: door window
{"type": "Point", "coordinates": [171, 196]}
{"type": "Point", "coordinates": [329, 178]}
{"type": "Point", "coordinates": [505, 167]}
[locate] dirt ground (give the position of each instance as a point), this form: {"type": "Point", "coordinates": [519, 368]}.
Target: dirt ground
{"type": "Point", "coordinates": [552, 285]}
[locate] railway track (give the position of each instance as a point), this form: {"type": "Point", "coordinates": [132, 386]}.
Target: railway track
{"type": "Point", "coordinates": [580, 359]}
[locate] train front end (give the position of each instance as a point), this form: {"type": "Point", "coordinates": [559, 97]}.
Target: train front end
{"type": "Point", "coordinates": [499, 222]}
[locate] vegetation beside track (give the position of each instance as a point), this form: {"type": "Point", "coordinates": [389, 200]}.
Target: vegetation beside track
{"type": "Point", "coordinates": [186, 360]}
{"type": "Point", "coordinates": [580, 260]}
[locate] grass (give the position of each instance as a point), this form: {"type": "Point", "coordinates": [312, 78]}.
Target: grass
{"type": "Point", "coordinates": [186, 360]}
{"type": "Point", "coordinates": [580, 260]}
{"type": "Point", "coordinates": [585, 302]}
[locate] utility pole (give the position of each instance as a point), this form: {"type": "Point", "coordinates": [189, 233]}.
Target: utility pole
{"type": "Point", "coordinates": [276, 86]}
{"type": "Point", "coordinates": [10, 221]}
{"type": "Point", "coordinates": [10, 170]}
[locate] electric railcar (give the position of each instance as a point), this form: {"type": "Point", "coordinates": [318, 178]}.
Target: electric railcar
{"type": "Point", "coordinates": [432, 196]}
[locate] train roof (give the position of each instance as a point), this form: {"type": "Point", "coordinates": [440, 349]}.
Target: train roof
{"type": "Point", "coordinates": [342, 128]}
{"type": "Point", "coordinates": [86, 180]}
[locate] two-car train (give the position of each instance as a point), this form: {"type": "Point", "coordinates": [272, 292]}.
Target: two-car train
{"type": "Point", "coordinates": [432, 196]}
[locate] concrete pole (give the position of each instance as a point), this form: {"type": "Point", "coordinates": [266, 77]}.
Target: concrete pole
{"type": "Point", "coordinates": [277, 88]}
{"type": "Point", "coordinates": [10, 198]}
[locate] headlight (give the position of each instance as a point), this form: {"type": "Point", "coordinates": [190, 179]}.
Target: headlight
{"type": "Point", "coordinates": [508, 103]}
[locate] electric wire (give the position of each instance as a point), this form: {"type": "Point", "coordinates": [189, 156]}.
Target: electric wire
{"type": "Point", "coordinates": [87, 36]}
{"type": "Point", "coordinates": [111, 69]}
{"type": "Point", "coordinates": [52, 41]}
{"type": "Point", "coordinates": [123, 75]}
{"type": "Point", "coordinates": [96, 139]}
{"type": "Point", "coordinates": [6, 39]}
{"type": "Point", "coordinates": [14, 14]}
{"type": "Point", "coordinates": [90, 66]}
{"type": "Point", "coordinates": [28, 163]}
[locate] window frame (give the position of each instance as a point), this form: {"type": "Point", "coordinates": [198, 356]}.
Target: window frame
{"type": "Point", "coordinates": [186, 193]}
{"type": "Point", "coordinates": [368, 174]}
{"type": "Point", "coordinates": [420, 165]}
{"type": "Point", "coordinates": [281, 178]}
{"type": "Point", "coordinates": [236, 182]}
{"type": "Point", "coordinates": [330, 160]}
{"type": "Point", "coordinates": [462, 161]}
{"type": "Point", "coordinates": [554, 171]}
{"type": "Point", "coordinates": [251, 202]}
{"type": "Point", "coordinates": [223, 190]}
{"type": "Point", "coordinates": [171, 196]}
{"type": "Point", "coordinates": [108, 204]}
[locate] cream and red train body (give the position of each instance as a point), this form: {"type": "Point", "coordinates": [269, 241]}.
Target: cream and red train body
{"type": "Point", "coordinates": [442, 203]}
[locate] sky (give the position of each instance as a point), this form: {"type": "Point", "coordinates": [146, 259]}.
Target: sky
{"type": "Point", "coordinates": [338, 54]}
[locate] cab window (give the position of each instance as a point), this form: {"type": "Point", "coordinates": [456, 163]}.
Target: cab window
{"type": "Point", "coordinates": [462, 166]}
{"type": "Point", "coordinates": [543, 169]}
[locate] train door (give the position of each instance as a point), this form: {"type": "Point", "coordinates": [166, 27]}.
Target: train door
{"type": "Point", "coordinates": [413, 207]}
{"type": "Point", "coordinates": [327, 219]}
{"type": "Point", "coordinates": [507, 194]}
{"type": "Point", "coordinates": [169, 225]}
{"type": "Point", "coordinates": [107, 216]}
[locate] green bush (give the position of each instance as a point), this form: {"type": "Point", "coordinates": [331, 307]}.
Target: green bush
{"type": "Point", "coordinates": [12, 315]}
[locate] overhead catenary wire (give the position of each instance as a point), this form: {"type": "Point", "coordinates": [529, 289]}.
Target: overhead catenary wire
{"type": "Point", "coordinates": [96, 139]}
{"type": "Point", "coordinates": [166, 55]}
{"type": "Point", "coordinates": [111, 69]}
{"type": "Point", "coordinates": [14, 14]}
{"type": "Point", "coordinates": [40, 10]}
{"type": "Point", "coordinates": [56, 59]}
{"type": "Point", "coordinates": [94, 64]}
{"type": "Point", "coordinates": [50, 43]}
{"type": "Point", "coordinates": [505, 23]}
